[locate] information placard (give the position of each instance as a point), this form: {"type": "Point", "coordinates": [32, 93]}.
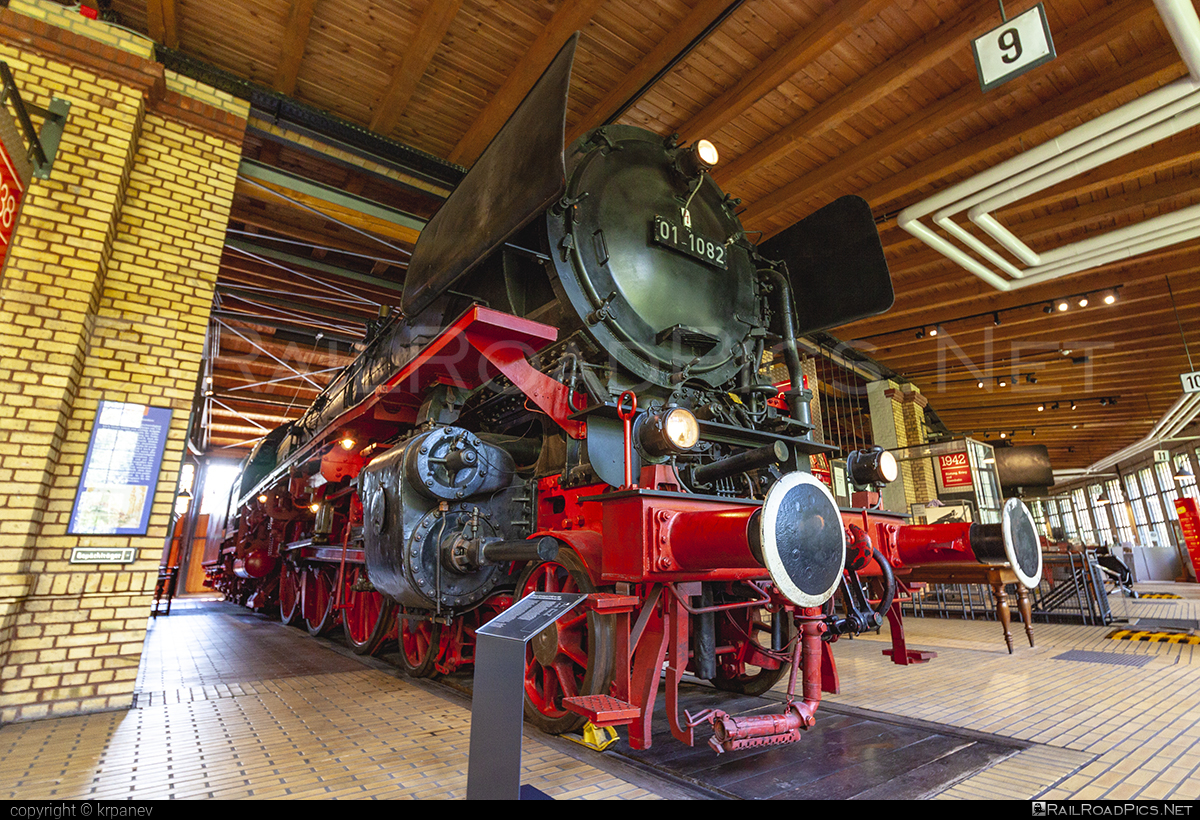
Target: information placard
{"type": "Point", "coordinates": [120, 473]}
{"type": "Point", "coordinates": [954, 471]}
{"type": "Point", "coordinates": [530, 615]}
{"type": "Point", "coordinates": [1011, 49]}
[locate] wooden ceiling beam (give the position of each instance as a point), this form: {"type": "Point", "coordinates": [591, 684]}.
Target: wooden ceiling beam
{"type": "Point", "coordinates": [431, 30]}
{"type": "Point", "coordinates": [897, 71]}
{"type": "Point", "coordinates": [1095, 31]}
{"type": "Point", "coordinates": [1080, 104]}
{"type": "Point", "coordinates": [809, 43]}
{"type": "Point", "coordinates": [240, 213]}
{"type": "Point", "coordinates": [295, 38]}
{"type": "Point", "coordinates": [677, 39]}
{"type": "Point", "coordinates": [162, 22]}
{"type": "Point", "coordinates": [959, 293]}
{"type": "Point", "coordinates": [570, 17]}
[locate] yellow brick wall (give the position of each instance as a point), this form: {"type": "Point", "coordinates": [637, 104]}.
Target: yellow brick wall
{"type": "Point", "coordinates": [61, 16]}
{"type": "Point", "coordinates": [105, 295]}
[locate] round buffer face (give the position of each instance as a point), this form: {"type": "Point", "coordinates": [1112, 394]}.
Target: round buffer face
{"type": "Point", "coordinates": [803, 540]}
{"type": "Point", "coordinates": [1021, 542]}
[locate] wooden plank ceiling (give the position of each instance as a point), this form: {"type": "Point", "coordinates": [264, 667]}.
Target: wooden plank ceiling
{"type": "Point", "coordinates": [806, 99]}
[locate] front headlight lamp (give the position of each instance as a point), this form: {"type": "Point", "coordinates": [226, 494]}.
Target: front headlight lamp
{"type": "Point", "coordinates": [872, 467]}
{"type": "Point", "coordinates": [669, 432]}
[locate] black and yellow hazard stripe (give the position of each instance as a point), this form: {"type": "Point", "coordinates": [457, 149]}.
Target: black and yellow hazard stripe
{"type": "Point", "coordinates": [1159, 595]}
{"type": "Point", "coordinates": [1154, 637]}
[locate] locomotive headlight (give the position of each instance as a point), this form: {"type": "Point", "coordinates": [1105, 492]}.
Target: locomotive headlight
{"type": "Point", "coordinates": [682, 429]}
{"type": "Point", "coordinates": [697, 158]}
{"type": "Point", "coordinates": [875, 466]}
{"type": "Point", "coordinates": [669, 432]}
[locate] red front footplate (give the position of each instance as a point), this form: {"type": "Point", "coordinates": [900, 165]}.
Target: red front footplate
{"type": "Point", "coordinates": [603, 710]}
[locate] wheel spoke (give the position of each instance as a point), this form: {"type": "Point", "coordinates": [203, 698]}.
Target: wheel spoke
{"type": "Point", "coordinates": [564, 673]}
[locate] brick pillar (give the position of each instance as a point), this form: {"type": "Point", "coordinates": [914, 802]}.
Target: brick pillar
{"type": "Point", "coordinates": [889, 431]}
{"type": "Point", "coordinates": [919, 483]}
{"type": "Point", "coordinates": [105, 295]}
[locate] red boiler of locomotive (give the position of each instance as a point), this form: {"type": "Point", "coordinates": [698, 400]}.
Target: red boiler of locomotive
{"type": "Point", "coordinates": [571, 400]}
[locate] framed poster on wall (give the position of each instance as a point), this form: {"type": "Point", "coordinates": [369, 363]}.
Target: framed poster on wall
{"type": "Point", "coordinates": [120, 473]}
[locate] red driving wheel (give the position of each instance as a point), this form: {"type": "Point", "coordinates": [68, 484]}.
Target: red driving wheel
{"type": "Point", "coordinates": [571, 657]}
{"type": "Point", "coordinates": [369, 618]}
{"type": "Point", "coordinates": [289, 592]}
{"type": "Point", "coordinates": [420, 644]}
{"type": "Point", "coordinates": [318, 598]}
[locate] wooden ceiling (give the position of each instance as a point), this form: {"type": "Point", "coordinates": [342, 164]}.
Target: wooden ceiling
{"type": "Point", "coordinates": [807, 100]}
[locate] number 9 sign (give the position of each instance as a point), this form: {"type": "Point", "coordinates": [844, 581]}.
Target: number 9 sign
{"type": "Point", "coordinates": [1013, 48]}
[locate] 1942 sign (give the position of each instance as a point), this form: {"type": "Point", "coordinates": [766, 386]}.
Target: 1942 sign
{"type": "Point", "coordinates": [1013, 48]}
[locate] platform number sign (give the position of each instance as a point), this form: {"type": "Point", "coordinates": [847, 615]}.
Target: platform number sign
{"type": "Point", "coordinates": [1191, 381]}
{"type": "Point", "coordinates": [1014, 47]}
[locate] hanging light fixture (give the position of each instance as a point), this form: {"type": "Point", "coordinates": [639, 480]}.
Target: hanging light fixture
{"type": "Point", "coordinates": [1183, 473]}
{"type": "Point", "coordinates": [1103, 499]}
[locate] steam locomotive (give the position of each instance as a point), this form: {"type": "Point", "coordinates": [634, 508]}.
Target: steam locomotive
{"type": "Point", "coordinates": [572, 401]}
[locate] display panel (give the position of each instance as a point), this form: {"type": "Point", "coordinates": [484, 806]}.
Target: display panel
{"type": "Point", "coordinates": [120, 473]}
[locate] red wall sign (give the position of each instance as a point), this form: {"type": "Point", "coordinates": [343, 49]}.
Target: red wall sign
{"type": "Point", "coordinates": [955, 469]}
{"type": "Point", "coordinates": [1189, 522]}
{"type": "Point", "coordinates": [10, 199]}
{"type": "Point", "coordinates": [11, 190]}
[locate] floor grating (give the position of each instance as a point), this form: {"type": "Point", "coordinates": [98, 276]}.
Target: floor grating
{"type": "Point", "coordinates": [1084, 656]}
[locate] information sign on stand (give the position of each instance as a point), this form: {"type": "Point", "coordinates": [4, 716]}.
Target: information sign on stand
{"type": "Point", "coordinates": [498, 699]}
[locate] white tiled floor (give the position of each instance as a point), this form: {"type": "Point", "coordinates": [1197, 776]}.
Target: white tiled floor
{"type": "Point", "coordinates": [1103, 731]}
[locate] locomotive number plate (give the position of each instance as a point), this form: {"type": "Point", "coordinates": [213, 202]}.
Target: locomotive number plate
{"type": "Point", "coordinates": [683, 239]}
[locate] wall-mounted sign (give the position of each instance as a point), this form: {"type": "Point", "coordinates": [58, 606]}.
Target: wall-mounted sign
{"type": "Point", "coordinates": [14, 175]}
{"type": "Point", "coordinates": [1011, 49]}
{"type": "Point", "coordinates": [103, 555]}
{"type": "Point", "coordinates": [1190, 381]}
{"type": "Point", "coordinates": [121, 470]}
{"type": "Point", "coordinates": [954, 471]}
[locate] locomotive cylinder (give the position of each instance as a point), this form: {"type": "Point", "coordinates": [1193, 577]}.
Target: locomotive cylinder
{"type": "Point", "coordinates": [708, 538]}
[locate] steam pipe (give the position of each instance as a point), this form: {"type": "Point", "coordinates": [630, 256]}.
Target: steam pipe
{"type": "Point", "coordinates": [742, 462]}
{"type": "Point", "coordinates": [797, 397]}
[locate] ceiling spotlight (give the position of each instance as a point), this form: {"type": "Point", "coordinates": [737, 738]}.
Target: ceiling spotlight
{"type": "Point", "coordinates": [1054, 406]}
{"type": "Point", "coordinates": [921, 333]}
{"type": "Point", "coordinates": [1074, 426]}
{"type": "Point", "coordinates": [1041, 407]}
{"type": "Point", "coordinates": [1030, 379]}
{"type": "Point", "coordinates": [1062, 305]}
{"type": "Point", "coordinates": [996, 319]}
{"type": "Point", "coordinates": [1072, 404]}
{"type": "Point", "coordinates": [1003, 434]}
{"type": "Point", "coordinates": [1048, 309]}
{"type": "Point", "coordinates": [1066, 351]}
{"type": "Point", "coordinates": [979, 384]}
{"type": "Point", "coordinates": [1003, 383]}
{"type": "Point", "coordinates": [1032, 432]}
{"type": "Point", "coordinates": [1083, 301]}
{"type": "Point", "coordinates": [935, 330]}
{"type": "Point", "coordinates": [1110, 297]}
{"type": "Point", "coordinates": [1104, 402]}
